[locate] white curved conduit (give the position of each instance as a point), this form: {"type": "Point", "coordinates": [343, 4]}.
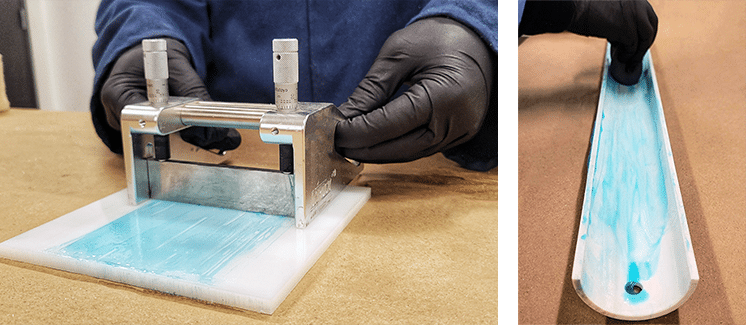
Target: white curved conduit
{"type": "Point", "coordinates": [634, 257]}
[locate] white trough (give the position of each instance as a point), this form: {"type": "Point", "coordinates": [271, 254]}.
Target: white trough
{"type": "Point", "coordinates": [634, 257]}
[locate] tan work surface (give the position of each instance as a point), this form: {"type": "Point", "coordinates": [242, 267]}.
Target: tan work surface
{"type": "Point", "coordinates": [699, 61]}
{"type": "Point", "coordinates": [423, 250]}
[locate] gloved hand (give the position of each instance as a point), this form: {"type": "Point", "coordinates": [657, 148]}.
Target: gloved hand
{"type": "Point", "coordinates": [125, 85]}
{"type": "Point", "coordinates": [448, 69]}
{"type": "Point", "coordinates": [629, 25]}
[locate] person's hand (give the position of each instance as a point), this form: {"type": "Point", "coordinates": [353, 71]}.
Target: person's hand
{"type": "Point", "coordinates": [448, 69]}
{"type": "Point", "coordinates": [126, 85]}
{"type": "Point", "coordinates": [629, 25]}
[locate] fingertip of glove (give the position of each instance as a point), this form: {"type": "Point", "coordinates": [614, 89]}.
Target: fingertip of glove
{"type": "Point", "coordinates": [212, 138]}
{"type": "Point", "coordinates": [624, 73]}
{"type": "Point", "coordinates": [479, 164]}
{"type": "Point", "coordinates": [233, 139]}
{"type": "Point", "coordinates": [342, 134]}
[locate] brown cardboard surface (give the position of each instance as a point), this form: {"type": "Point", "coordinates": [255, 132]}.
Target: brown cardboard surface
{"type": "Point", "coordinates": [700, 62]}
{"type": "Point", "coordinates": [423, 250]}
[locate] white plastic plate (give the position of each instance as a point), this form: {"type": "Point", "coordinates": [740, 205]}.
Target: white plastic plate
{"type": "Point", "coordinates": [241, 259]}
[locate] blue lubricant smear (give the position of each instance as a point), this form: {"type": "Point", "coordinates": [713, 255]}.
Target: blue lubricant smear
{"type": "Point", "coordinates": [629, 205]}
{"type": "Point", "coordinates": [633, 278]}
{"type": "Point", "coordinates": [176, 240]}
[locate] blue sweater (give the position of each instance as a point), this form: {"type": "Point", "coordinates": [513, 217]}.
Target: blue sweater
{"type": "Point", "coordinates": [231, 41]}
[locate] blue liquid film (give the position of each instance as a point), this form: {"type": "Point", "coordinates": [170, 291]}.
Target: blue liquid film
{"type": "Point", "coordinates": [629, 199]}
{"type": "Point", "coordinates": [177, 240]}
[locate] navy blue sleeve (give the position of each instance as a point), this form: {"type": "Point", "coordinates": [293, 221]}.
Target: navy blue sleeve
{"type": "Point", "coordinates": [121, 24]}
{"type": "Point", "coordinates": [480, 15]}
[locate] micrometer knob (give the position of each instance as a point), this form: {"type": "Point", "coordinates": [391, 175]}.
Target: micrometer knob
{"type": "Point", "coordinates": [155, 63]}
{"type": "Point", "coordinates": [285, 72]}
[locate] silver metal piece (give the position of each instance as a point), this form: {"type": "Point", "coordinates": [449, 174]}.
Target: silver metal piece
{"type": "Point", "coordinates": [285, 72]}
{"type": "Point", "coordinates": [155, 63]}
{"type": "Point", "coordinates": [224, 186]}
{"type": "Point", "coordinates": [319, 173]}
{"type": "Point", "coordinates": [229, 115]}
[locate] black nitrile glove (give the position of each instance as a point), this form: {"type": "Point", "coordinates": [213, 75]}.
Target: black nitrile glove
{"type": "Point", "coordinates": [125, 85]}
{"type": "Point", "coordinates": [629, 25]}
{"type": "Point", "coordinates": [448, 69]}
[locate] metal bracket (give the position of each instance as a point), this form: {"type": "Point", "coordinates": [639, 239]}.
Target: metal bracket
{"type": "Point", "coordinates": [319, 173]}
{"type": "Point", "coordinates": [159, 165]}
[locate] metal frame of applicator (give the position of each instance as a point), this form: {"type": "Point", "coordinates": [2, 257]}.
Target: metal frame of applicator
{"type": "Point", "coordinates": [157, 167]}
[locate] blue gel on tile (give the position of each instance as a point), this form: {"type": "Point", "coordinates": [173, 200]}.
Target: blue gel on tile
{"type": "Point", "coordinates": [177, 240]}
{"type": "Point", "coordinates": [629, 200]}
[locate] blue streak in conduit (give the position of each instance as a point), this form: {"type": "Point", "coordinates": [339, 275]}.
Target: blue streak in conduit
{"type": "Point", "coordinates": [177, 240]}
{"type": "Point", "coordinates": [633, 279]}
{"type": "Point", "coordinates": [629, 199]}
